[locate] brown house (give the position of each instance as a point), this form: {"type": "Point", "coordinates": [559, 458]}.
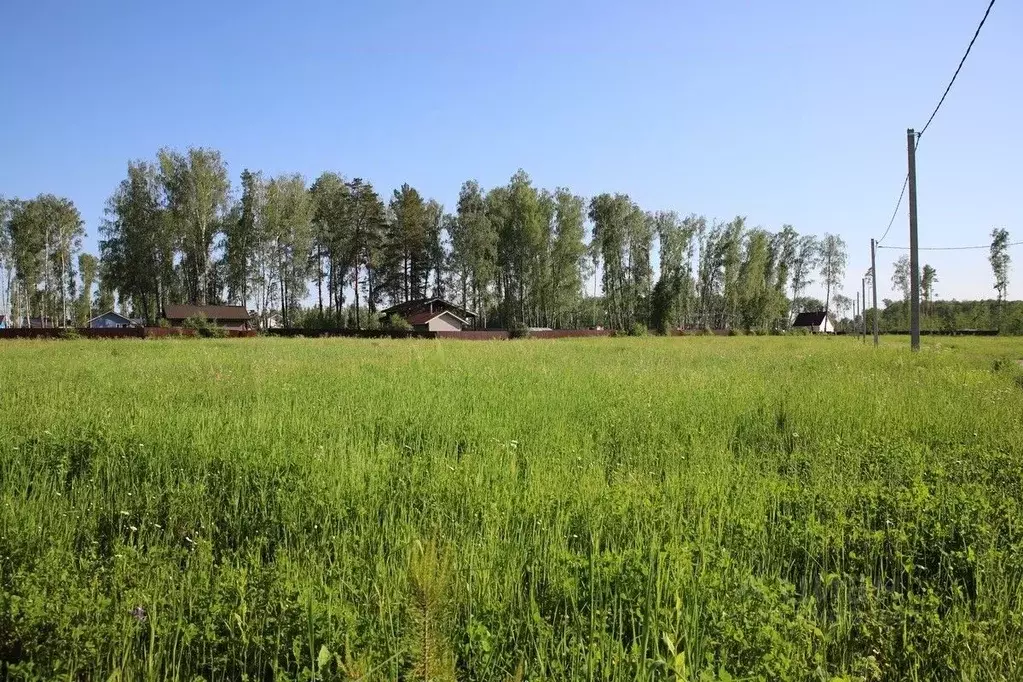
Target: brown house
{"type": "Point", "coordinates": [226, 316]}
{"type": "Point", "coordinates": [432, 315]}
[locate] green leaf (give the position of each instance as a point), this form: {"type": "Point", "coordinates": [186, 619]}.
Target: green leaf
{"type": "Point", "coordinates": [324, 657]}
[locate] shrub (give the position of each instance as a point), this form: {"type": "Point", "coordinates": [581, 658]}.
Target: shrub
{"type": "Point", "coordinates": [69, 334]}
{"type": "Point", "coordinates": [638, 329]}
{"type": "Point", "coordinates": [518, 330]}
{"type": "Point", "coordinates": [736, 332]}
{"type": "Point", "coordinates": [204, 327]}
{"type": "Point", "coordinates": [799, 331]}
{"type": "Point", "coordinates": [163, 323]}
{"type": "Point", "coordinates": [397, 323]}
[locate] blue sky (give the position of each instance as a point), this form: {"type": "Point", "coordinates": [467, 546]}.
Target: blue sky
{"type": "Point", "coordinates": [785, 112]}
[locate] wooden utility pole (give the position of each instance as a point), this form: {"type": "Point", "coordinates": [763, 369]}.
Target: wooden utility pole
{"type": "Point", "coordinates": [873, 282]}
{"type": "Point", "coordinates": [914, 252]}
{"type": "Point", "coordinates": [863, 310]}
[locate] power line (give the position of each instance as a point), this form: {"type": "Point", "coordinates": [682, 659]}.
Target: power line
{"type": "Point", "coordinates": [944, 248]}
{"type": "Point", "coordinates": [934, 113]}
{"type": "Point", "coordinates": [896, 211]}
{"type": "Point", "coordinates": [961, 62]}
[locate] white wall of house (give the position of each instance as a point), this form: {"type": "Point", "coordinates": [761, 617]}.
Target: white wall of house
{"type": "Point", "coordinates": [445, 322]}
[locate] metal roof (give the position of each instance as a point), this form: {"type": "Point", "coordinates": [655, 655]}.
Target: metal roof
{"type": "Point", "coordinates": [114, 313]}
{"type": "Point", "coordinates": [809, 319]}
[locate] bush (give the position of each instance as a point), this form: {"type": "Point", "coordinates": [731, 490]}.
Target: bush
{"type": "Point", "coordinates": [638, 329]}
{"type": "Point", "coordinates": [799, 331]}
{"type": "Point", "coordinates": [163, 323]}
{"type": "Point", "coordinates": [736, 332]}
{"type": "Point", "coordinates": [69, 334]}
{"type": "Point", "coordinates": [204, 327]}
{"type": "Point", "coordinates": [518, 330]}
{"type": "Point", "coordinates": [397, 323]}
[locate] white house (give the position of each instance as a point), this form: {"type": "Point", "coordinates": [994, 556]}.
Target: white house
{"type": "Point", "coordinates": [816, 322]}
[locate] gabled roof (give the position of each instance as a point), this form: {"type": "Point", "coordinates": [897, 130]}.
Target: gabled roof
{"type": "Point", "coordinates": [115, 314]}
{"type": "Point", "coordinates": [809, 319]}
{"type": "Point", "coordinates": [423, 318]}
{"type": "Point", "coordinates": [212, 312]}
{"type": "Point", "coordinates": [415, 305]}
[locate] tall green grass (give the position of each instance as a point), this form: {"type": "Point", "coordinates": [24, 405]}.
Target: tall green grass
{"type": "Point", "coordinates": [606, 509]}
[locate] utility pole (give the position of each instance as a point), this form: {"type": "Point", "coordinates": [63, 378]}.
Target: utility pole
{"type": "Point", "coordinates": [873, 282]}
{"type": "Point", "coordinates": [863, 311]}
{"type": "Point", "coordinates": [856, 311]}
{"type": "Point", "coordinates": [914, 253]}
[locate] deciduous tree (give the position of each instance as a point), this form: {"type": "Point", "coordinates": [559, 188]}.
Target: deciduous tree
{"type": "Point", "coordinates": [833, 259]}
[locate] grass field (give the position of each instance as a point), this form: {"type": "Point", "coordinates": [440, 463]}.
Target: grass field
{"type": "Point", "coordinates": [606, 509]}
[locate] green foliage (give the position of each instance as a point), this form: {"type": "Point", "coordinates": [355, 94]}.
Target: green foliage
{"type": "Point", "coordinates": [518, 330]}
{"type": "Point", "coordinates": [197, 192]}
{"type": "Point", "coordinates": [41, 238]}
{"type": "Point", "coordinates": [397, 323]}
{"type": "Point", "coordinates": [638, 329]}
{"type": "Point", "coordinates": [69, 334]}
{"type": "Point", "coordinates": [204, 327]}
{"type": "Point", "coordinates": [138, 242]}
{"type": "Point", "coordinates": [833, 258]}
{"type": "Point", "coordinates": [430, 607]}
{"type": "Point", "coordinates": [606, 509]}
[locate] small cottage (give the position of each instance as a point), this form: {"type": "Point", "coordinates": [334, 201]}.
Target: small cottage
{"type": "Point", "coordinates": [111, 320]}
{"type": "Point", "coordinates": [432, 315]}
{"type": "Point", "coordinates": [816, 322]}
{"type": "Point", "coordinates": [234, 317]}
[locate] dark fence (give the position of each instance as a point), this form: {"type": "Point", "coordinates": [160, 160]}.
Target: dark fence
{"type": "Point", "coordinates": [57, 333]}
{"type": "Point", "coordinates": [473, 335]}
{"type": "Point", "coordinates": [936, 332]}
{"type": "Point", "coordinates": [111, 333]}
{"type": "Point", "coordinates": [352, 333]}
{"type": "Point", "coordinates": [570, 333]}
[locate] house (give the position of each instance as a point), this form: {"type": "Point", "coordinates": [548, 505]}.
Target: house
{"type": "Point", "coordinates": [816, 322]}
{"type": "Point", "coordinates": [111, 320]}
{"type": "Point", "coordinates": [226, 316]}
{"type": "Point", "coordinates": [432, 315]}
{"type": "Point", "coordinates": [271, 320]}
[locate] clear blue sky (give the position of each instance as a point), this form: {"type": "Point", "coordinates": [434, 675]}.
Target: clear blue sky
{"type": "Point", "coordinates": [785, 112]}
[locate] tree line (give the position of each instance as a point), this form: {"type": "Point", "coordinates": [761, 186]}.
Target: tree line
{"type": "Point", "coordinates": [334, 252]}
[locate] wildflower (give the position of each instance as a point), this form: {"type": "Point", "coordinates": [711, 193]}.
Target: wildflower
{"type": "Point", "coordinates": [139, 614]}
{"type": "Point", "coordinates": [133, 529]}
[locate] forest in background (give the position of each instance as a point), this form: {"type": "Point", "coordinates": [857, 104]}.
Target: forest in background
{"type": "Point", "coordinates": [334, 252]}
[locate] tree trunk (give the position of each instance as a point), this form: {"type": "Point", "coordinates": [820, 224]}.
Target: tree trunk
{"type": "Point", "coordinates": [355, 282]}
{"type": "Point", "coordinates": [319, 277]}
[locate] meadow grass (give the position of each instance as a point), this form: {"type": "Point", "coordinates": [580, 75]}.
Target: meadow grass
{"type": "Point", "coordinates": [600, 509]}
